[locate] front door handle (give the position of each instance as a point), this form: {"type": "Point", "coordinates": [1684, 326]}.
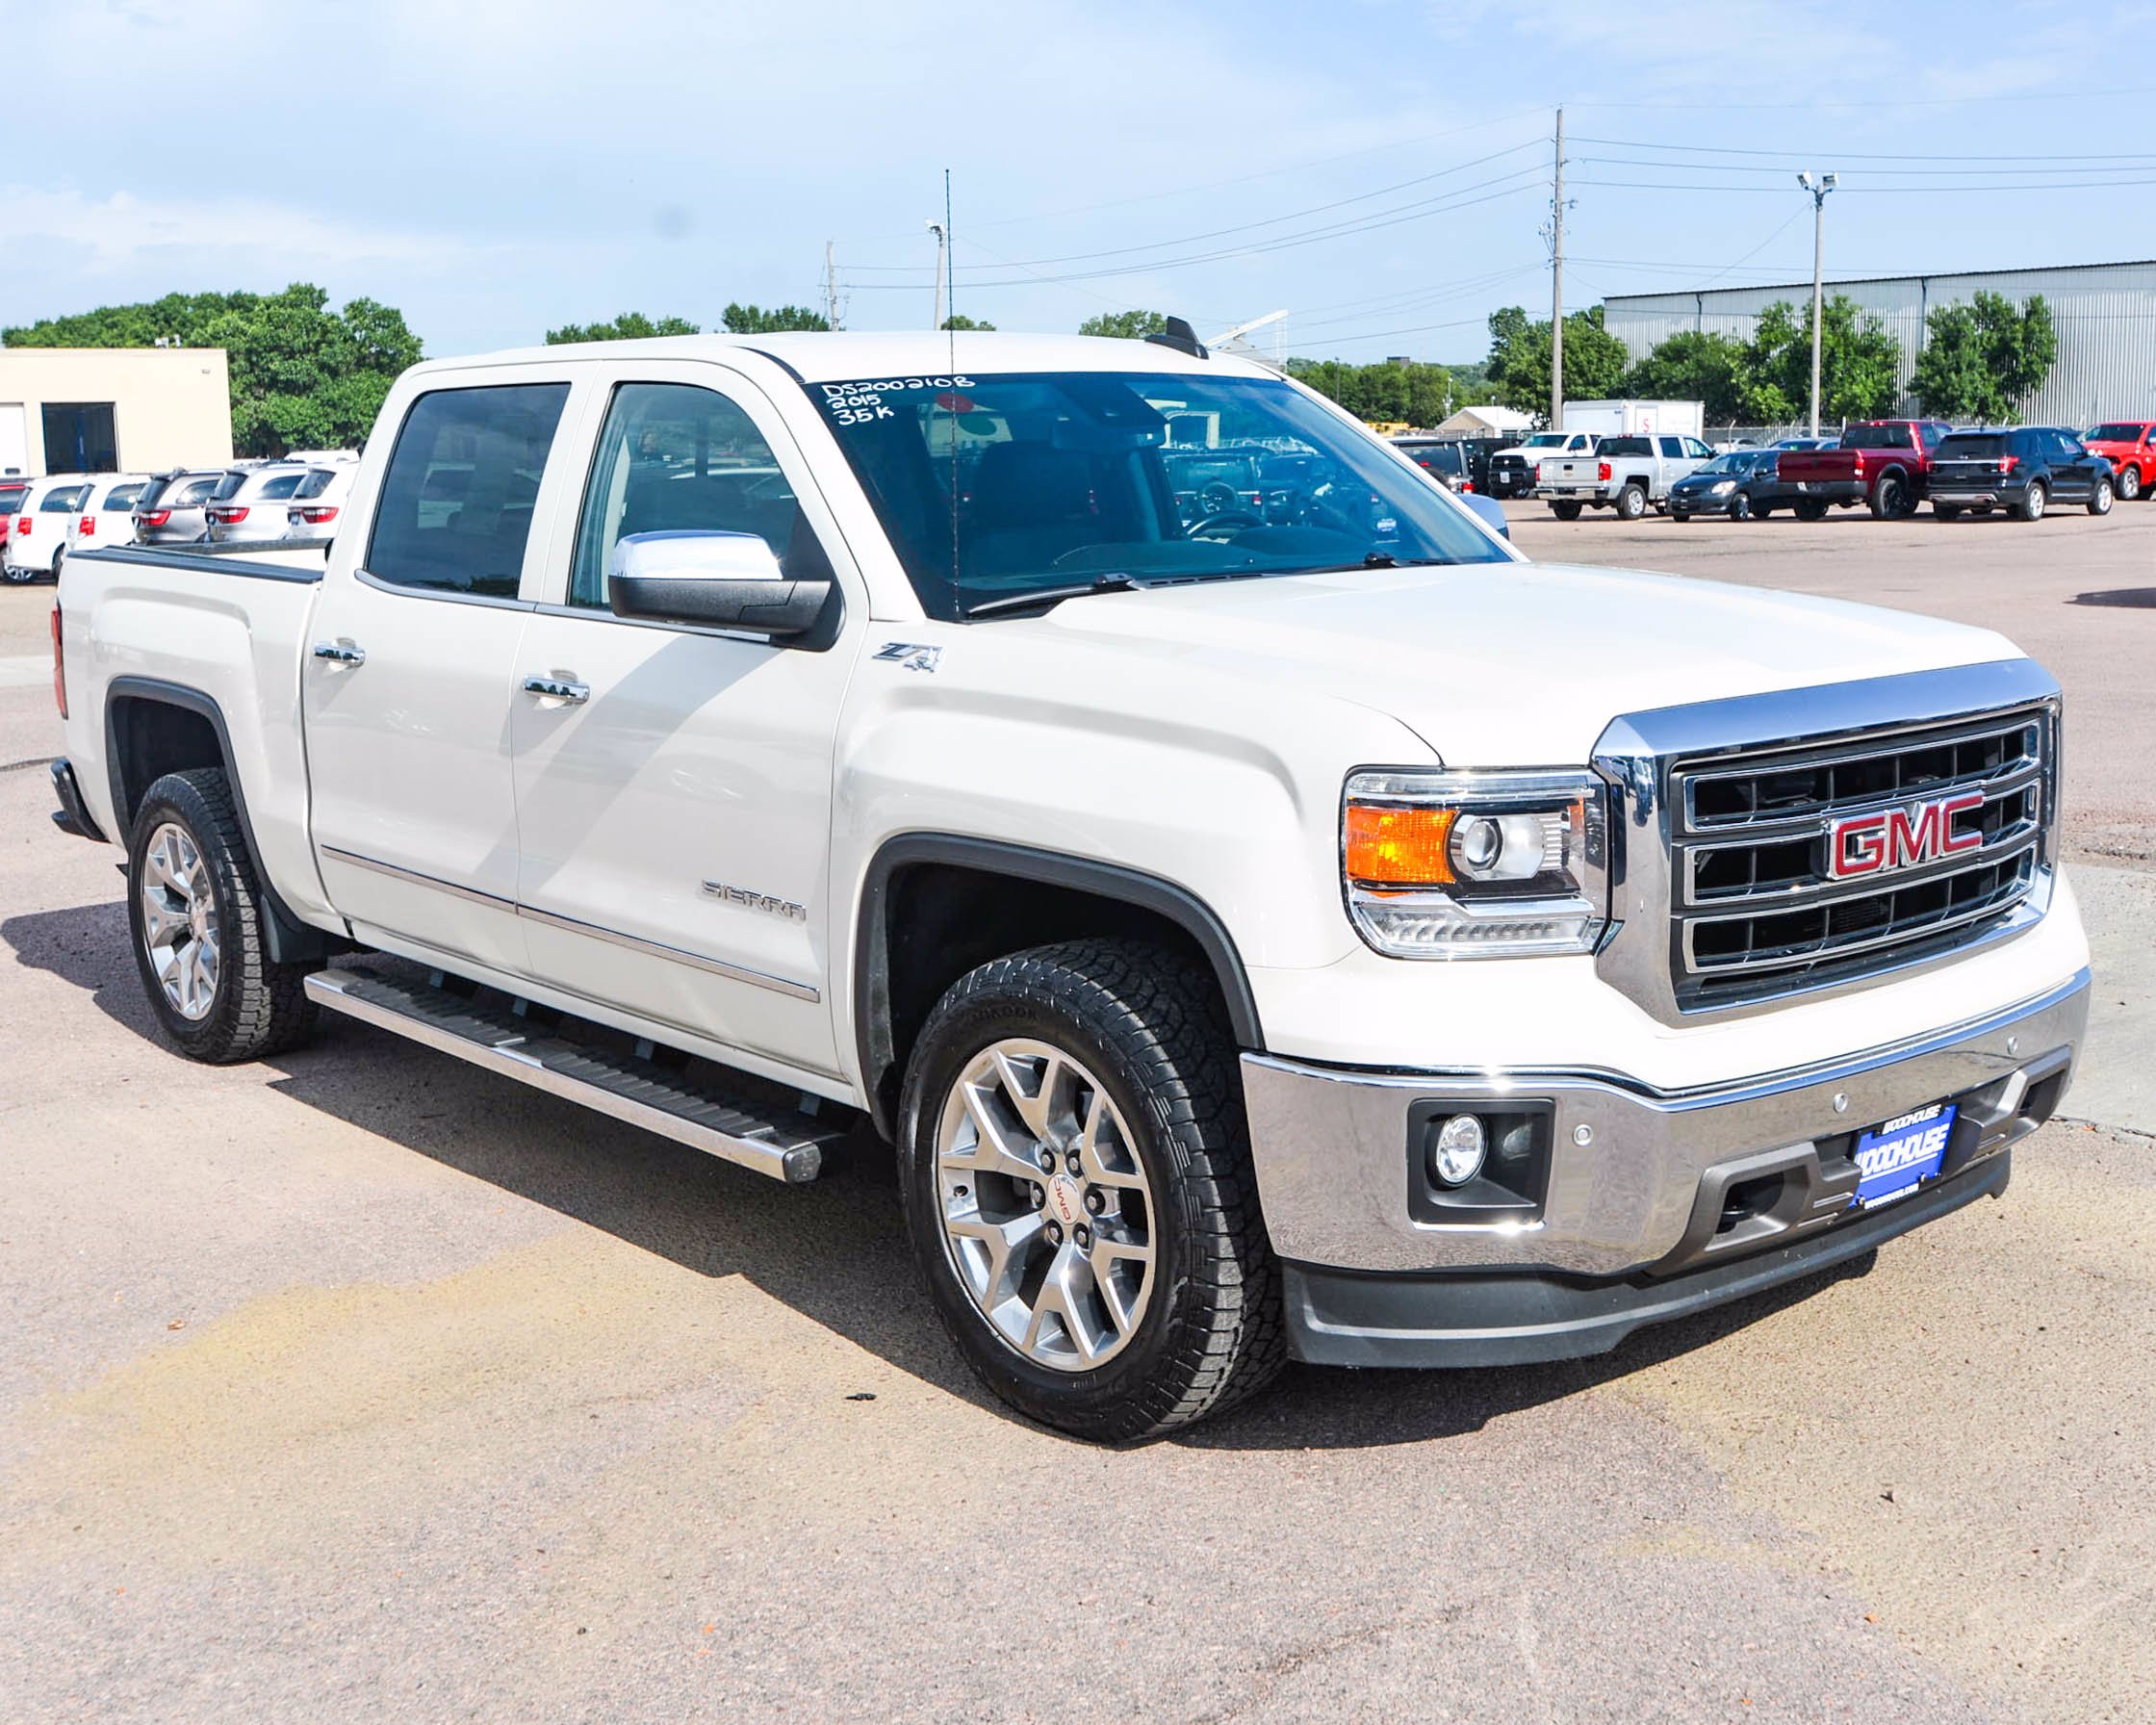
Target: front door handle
{"type": "Point", "coordinates": [549, 687]}
{"type": "Point", "coordinates": [340, 651]}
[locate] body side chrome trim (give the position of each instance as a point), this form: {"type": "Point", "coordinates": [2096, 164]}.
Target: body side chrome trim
{"type": "Point", "coordinates": [780, 985]}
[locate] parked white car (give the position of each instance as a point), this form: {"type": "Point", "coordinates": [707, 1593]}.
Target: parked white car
{"type": "Point", "coordinates": [1313, 931]}
{"type": "Point", "coordinates": [319, 500]}
{"type": "Point", "coordinates": [250, 504]}
{"type": "Point", "coordinates": [108, 514]}
{"type": "Point", "coordinates": [38, 534]}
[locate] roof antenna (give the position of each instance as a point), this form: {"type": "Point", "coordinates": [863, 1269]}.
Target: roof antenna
{"type": "Point", "coordinates": [1180, 336]}
{"type": "Point", "coordinates": [951, 334]}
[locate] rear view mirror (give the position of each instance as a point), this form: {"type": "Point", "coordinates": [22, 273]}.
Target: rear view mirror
{"type": "Point", "coordinates": [712, 581]}
{"type": "Point", "coordinates": [1490, 510]}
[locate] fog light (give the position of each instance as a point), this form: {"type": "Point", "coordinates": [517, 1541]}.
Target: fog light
{"type": "Point", "coordinates": [1457, 1155]}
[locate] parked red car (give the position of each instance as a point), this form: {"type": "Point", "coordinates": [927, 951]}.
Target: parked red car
{"type": "Point", "coordinates": [2130, 447]}
{"type": "Point", "coordinates": [1886, 463]}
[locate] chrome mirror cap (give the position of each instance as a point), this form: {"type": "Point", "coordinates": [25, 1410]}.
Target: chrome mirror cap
{"type": "Point", "coordinates": [694, 554]}
{"type": "Point", "coordinates": [709, 579]}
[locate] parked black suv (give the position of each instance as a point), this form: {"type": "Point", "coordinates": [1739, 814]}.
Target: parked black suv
{"type": "Point", "coordinates": [2025, 469]}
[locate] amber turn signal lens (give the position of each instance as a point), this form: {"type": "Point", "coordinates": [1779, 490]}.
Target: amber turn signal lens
{"type": "Point", "coordinates": [1399, 847]}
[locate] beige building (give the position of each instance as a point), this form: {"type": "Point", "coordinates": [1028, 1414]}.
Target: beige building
{"type": "Point", "coordinates": [112, 409]}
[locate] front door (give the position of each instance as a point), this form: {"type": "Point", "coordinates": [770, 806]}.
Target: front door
{"type": "Point", "coordinates": [675, 803]}
{"type": "Point", "coordinates": [411, 673]}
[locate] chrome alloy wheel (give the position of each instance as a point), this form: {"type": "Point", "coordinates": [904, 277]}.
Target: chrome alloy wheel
{"type": "Point", "coordinates": [1048, 1217]}
{"type": "Point", "coordinates": [179, 921]}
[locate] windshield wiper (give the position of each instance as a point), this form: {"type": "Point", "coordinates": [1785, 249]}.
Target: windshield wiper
{"type": "Point", "coordinates": [1018, 602]}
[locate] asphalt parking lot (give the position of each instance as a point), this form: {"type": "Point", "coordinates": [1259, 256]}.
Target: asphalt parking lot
{"type": "Point", "coordinates": [358, 1385]}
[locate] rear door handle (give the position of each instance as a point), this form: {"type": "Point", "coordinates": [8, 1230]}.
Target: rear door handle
{"type": "Point", "coordinates": [340, 651]}
{"type": "Point", "coordinates": [549, 687]}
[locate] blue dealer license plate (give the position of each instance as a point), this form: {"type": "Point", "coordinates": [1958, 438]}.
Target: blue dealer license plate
{"type": "Point", "coordinates": [1893, 1160]}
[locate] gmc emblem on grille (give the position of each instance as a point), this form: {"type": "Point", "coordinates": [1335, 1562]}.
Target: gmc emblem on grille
{"type": "Point", "coordinates": [1901, 837]}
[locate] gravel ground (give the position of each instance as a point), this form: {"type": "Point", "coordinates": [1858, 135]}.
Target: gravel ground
{"type": "Point", "coordinates": [356, 1385]}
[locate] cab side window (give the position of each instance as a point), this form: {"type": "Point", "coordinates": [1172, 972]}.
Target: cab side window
{"type": "Point", "coordinates": [676, 457]}
{"type": "Point", "coordinates": [456, 502]}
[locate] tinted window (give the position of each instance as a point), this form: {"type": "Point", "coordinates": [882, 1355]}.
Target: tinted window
{"type": "Point", "coordinates": [11, 498]}
{"type": "Point", "coordinates": [1876, 437]}
{"type": "Point", "coordinates": [2118, 433]}
{"type": "Point", "coordinates": [1931, 435]}
{"type": "Point", "coordinates": [1972, 446]}
{"type": "Point", "coordinates": [228, 487]}
{"type": "Point", "coordinates": [1626, 445]}
{"type": "Point", "coordinates": [1673, 447]}
{"type": "Point", "coordinates": [63, 500]}
{"type": "Point", "coordinates": [996, 488]}
{"type": "Point", "coordinates": [676, 456]}
{"type": "Point", "coordinates": [279, 485]}
{"type": "Point", "coordinates": [315, 483]}
{"type": "Point", "coordinates": [122, 497]}
{"type": "Point", "coordinates": [455, 506]}
{"type": "Point", "coordinates": [2066, 446]}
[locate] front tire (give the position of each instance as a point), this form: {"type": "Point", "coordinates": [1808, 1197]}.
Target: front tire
{"type": "Point", "coordinates": [2100, 499]}
{"type": "Point", "coordinates": [195, 909]}
{"type": "Point", "coordinates": [2129, 485]}
{"type": "Point", "coordinates": [1076, 1177]}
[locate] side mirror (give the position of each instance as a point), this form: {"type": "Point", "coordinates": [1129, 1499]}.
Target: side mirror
{"type": "Point", "coordinates": [711, 579]}
{"type": "Point", "coordinates": [1490, 510]}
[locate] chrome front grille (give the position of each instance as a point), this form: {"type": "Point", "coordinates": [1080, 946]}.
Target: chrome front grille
{"type": "Point", "coordinates": [1755, 911]}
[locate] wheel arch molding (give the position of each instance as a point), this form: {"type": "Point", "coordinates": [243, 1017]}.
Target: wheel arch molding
{"type": "Point", "coordinates": [1013, 896]}
{"type": "Point", "coordinates": [137, 755]}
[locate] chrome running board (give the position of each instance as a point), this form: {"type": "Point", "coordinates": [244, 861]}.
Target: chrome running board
{"type": "Point", "coordinates": [783, 1144]}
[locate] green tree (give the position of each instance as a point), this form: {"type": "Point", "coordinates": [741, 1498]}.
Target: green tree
{"type": "Point", "coordinates": [1132, 326]}
{"type": "Point", "coordinates": [1595, 360]}
{"type": "Point", "coordinates": [302, 375]}
{"type": "Point", "coordinates": [1983, 360]}
{"type": "Point", "coordinates": [1691, 366]}
{"type": "Point", "coordinates": [960, 321]}
{"type": "Point", "coordinates": [755, 320]}
{"type": "Point", "coordinates": [1860, 364]}
{"type": "Point", "coordinates": [630, 326]}
{"type": "Point", "coordinates": [1410, 391]}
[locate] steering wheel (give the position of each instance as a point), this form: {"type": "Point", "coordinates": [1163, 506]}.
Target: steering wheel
{"type": "Point", "coordinates": [1234, 521]}
{"type": "Point", "coordinates": [1216, 497]}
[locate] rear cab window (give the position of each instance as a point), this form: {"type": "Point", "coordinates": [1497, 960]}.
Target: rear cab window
{"type": "Point", "coordinates": [454, 513]}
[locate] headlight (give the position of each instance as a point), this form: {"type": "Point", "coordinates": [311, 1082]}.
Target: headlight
{"type": "Point", "coordinates": [1450, 866]}
{"type": "Point", "coordinates": [1721, 485]}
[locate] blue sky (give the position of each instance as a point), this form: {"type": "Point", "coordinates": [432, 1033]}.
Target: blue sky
{"type": "Point", "coordinates": [1377, 167]}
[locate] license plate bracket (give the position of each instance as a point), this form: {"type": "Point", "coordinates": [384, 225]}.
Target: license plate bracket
{"type": "Point", "coordinates": [1894, 1159]}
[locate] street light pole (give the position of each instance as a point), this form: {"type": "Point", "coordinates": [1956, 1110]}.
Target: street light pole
{"type": "Point", "coordinates": [1818, 185]}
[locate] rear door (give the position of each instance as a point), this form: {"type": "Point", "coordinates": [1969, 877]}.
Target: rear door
{"type": "Point", "coordinates": [675, 813]}
{"type": "Point", "coordinates": [410, 685]}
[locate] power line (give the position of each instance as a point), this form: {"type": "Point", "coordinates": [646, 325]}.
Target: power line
{"type": "Point", "coordinates": [1840, 155]}
{"type": "Point", "coordinates": [1777, 171]}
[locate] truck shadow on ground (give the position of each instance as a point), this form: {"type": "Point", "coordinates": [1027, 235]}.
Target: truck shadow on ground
{"type": "Point", "coordinates": [836, 1251]}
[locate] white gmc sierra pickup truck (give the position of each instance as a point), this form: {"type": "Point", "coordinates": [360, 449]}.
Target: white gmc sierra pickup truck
{"type": "Point", "coordinates": [1304, 928]}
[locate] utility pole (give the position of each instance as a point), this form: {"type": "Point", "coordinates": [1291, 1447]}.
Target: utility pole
{"type": "Point", "coordinates": [831, 286]}
{"type": "Point", "coordinates": [942, 251]}
{"type": "Point", "coordinates": [1557, 285]}
{"type": "Point", "coordinates": [1818, 185]}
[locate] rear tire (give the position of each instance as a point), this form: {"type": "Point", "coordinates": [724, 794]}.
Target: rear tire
{"type": "Point", "coordinates": [1565, 511]}
{"type": "Point", "coordinates": [1114, 1058]}
{"type": "Point", "coordinates": [205, 963]}
{"type": "Point", "coordinates": [1890, 497]}
{"type": "Point", "coordinates": [2100, 499]}
{"type": "Point", "coordinates": [2032, 501]}
{"type": "Point", "coordinates": [1631, 503]}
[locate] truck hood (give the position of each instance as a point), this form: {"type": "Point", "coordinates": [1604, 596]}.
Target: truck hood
{"type": "Point", "coordinates": [1515, 664]}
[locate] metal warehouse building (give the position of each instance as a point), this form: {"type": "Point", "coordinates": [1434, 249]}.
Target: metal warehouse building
{"type": "Point", "coordinates": [2105, 313]}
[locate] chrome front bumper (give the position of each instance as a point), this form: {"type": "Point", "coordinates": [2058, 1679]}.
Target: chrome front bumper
{"type": "Point", "coordinates": [1635, 1179]}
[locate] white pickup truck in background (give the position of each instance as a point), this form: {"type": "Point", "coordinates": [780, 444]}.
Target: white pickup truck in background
{"type": "Point", "coordinates": [1296, 926]}
{"type": "Point", "coordinates": [1630, 474]}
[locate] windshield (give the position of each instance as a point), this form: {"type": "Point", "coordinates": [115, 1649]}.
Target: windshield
{"type": "Point", "coordinates": [1735, 461]}
{"type": "Point", "coordinates": [1545, 440]}
{"type": "Point", "coordinates": [993, 488]}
